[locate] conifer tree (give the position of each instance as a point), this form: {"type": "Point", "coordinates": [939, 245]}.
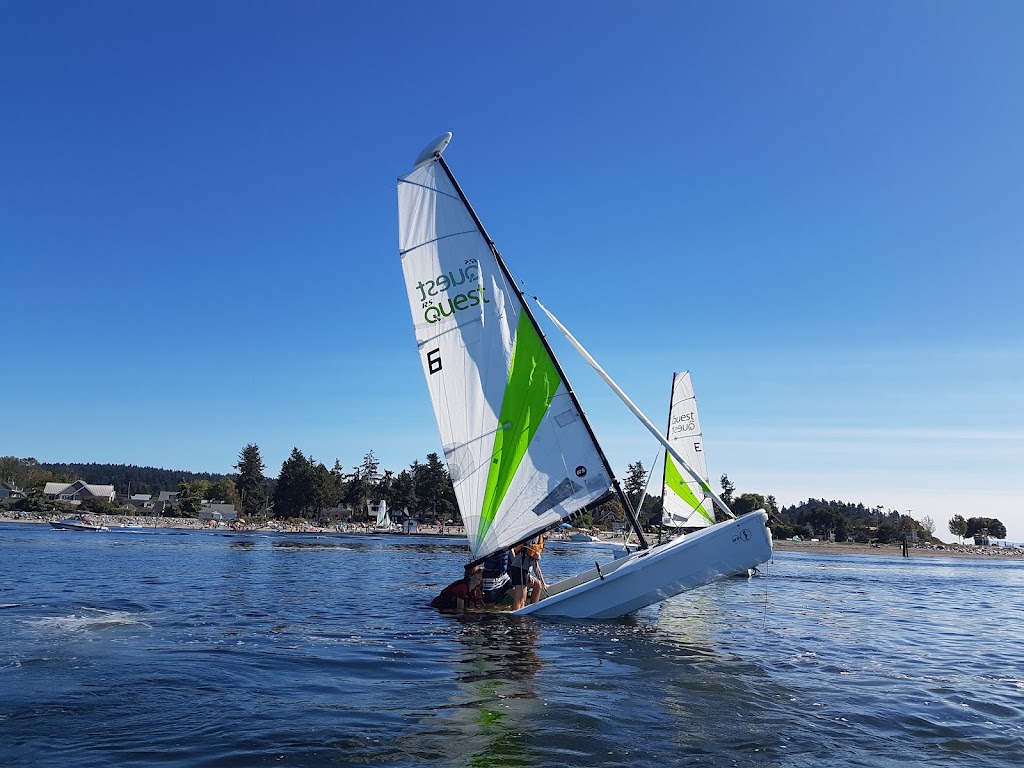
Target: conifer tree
{"type": "Point", "coordinates": [251, 483]}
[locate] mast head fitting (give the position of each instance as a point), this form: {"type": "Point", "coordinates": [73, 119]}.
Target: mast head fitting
{"type": "Point", "coordinates": [433, 149]}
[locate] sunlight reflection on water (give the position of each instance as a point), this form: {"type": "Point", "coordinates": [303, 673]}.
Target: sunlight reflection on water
{"type": "Point", "coordinates": [225, 649]}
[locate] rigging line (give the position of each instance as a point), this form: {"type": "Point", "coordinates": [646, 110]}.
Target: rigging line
{"type": "Point", "coordinates": [643, 498]}
{"type": "Point", "coordinates": [631, 405]}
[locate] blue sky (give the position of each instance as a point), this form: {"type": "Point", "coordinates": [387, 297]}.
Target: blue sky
{"type": "Point", "coordinates": [814, 207]}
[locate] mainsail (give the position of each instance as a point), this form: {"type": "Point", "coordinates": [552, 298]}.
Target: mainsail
{"type": "Point", "coordinates": [686, 501]}
{"type": "Point", "coordinates": [383, 518]}
{"type": "Point", "coordinates": [518, 448]}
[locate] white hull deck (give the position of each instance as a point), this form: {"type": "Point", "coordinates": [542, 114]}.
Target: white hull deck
{"type": "Point", "coordinates": [652, 575]}
{"type": "Point", "coordinates": [75, 525]}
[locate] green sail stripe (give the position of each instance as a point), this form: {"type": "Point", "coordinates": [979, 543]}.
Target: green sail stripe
{"type": "Point", "coordinates": [674, 480]}
{"type": "Point", "coordinates": [532, 381]}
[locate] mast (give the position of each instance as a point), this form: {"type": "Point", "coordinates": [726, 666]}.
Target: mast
{"type": "Point", "coordinates": [627, 507]}
{"type": "Point", "coordinates": [668, 431]}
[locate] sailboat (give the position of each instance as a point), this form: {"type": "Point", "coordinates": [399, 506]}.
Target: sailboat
{"type": "Point", "coordinates": [522, 456]}
{"type": "Point", "coordinates": [686, 499]}
{"type": "Point", "coordinates": [384, 524]}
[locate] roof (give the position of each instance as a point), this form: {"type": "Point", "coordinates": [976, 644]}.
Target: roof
{"type": "Point", "coordinates": [55, 489]}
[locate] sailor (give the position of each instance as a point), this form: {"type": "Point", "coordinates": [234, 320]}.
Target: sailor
{"type": "Point", "coordinates": [496, 582]}
{"type": "Point", "coordinates": [462, 594]}
{"type": "Point", "coordinates": [526, 558]}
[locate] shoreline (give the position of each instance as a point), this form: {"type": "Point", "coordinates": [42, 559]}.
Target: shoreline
{"type": "Point", "coordinates": [896, 550]}
{"type": "Point", "coordinates": [920, 549]}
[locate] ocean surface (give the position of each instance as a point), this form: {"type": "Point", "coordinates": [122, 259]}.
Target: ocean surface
{"type": "Point", "coordinates": [139, 647]}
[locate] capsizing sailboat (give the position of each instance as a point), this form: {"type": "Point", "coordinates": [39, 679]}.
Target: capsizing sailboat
{"type": "Point", "coordinates": [686, 499]}
{"type": "Point", "coordinates": [521, 454]}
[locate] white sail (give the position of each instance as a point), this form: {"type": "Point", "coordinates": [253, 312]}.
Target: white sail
{"type": "Point", "coordinates": [383, 518]}
{"type": "Point", "coordinates": [518, 450]}
{"type": "Point", "coordinates": [686, 501]}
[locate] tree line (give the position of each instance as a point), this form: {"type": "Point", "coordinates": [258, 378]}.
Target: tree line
{"type": "Point", "coordinates": [843, 521]}
{"type": "Point", "coordinates": [305, 487]}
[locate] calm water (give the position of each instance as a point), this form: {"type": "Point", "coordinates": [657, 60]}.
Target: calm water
{"type": "Point", "coordinates": [209, 648]}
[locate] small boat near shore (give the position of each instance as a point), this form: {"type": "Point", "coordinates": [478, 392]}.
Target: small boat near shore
{"type": "Point", "coordinates": [77, 523]}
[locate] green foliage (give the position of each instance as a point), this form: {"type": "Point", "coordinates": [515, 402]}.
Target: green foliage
{"type": "Point", "coordinates": [300, 488]}
{"type": "Point", "coordinates": [608, 513]}
{"type": "Point", "coordinates": [434, 487]}
{"type": "Point", "coordinates": [782, 531]}
{"type": "Point", "coordinates": [958, 526]}
{"type": "Point", "coordinates": [986, 526]}
{"type": "Point", "coordinates": [33, 503]}
{"type": "Point", "coordinates": [142, 479]}
{"type": "Point", "coordinates": [651, 512]}
{"type": "Point", "coordinates": [190, 499]}
{"type": "Point", "coordinates": [728, 489]}
{"type": "Point", "coordinates": [748, 502]}
{"type": "Point", "coordinates": [887, 533]}
{"type": "Point", "coordinates": [403, 491]}
{"type": "Point", "coordinates": [102, 507]}
{"type": "Point", "coordinates": [635, 482]}
{"type": "Point", "coordinates": [250, 484]}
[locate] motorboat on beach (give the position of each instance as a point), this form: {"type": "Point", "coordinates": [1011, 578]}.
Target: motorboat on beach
{"type": "Point", "coordinates": [78, 523]}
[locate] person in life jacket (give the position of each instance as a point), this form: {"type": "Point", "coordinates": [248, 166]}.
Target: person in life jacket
{"type": "Point", "coordinates": [526, 557]}
{"type": "Point", "coordinates": [463, 594]}
{"type": "Point", "coordinates": [496, 582]}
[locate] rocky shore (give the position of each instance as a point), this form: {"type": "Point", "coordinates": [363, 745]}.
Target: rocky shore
{"type": "Point", "coordinates": [919, 549]}
{"type": "Point", "coordinates": [895, 550]}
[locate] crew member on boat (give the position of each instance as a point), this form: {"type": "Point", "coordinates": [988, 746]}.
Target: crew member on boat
{"type": "Point", "coordinates": [496, 582]}
{"type": "Point", "coordinates": [526, 557]}
{"type": "Point", "coordinates": [463, 594]}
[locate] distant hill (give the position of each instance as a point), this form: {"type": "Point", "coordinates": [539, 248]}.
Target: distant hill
{"type": "Point", "coordinates": [850, 511]}
{"type": "Point", "coordinates": [143, 479]}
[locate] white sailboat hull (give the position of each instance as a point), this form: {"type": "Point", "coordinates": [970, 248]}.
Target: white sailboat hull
{"type": "Point", "coordinates": [649, 576]}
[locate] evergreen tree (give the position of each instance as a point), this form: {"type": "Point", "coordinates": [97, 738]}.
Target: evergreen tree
{"type": "Point", "coordinates": [296, 494]}
{"type": "Point", "coordinates": [434, 488]}
{"type": "Point", "coordinates": [250, 483]}
{"type": "Point", "coordinates": [728, 489]}
{"type": "Point", "coordinates": [403, 492]}
{"type": "Point", "coordinates": [635, 482]}
{"type": "Point", "coordinates": [190, 500]}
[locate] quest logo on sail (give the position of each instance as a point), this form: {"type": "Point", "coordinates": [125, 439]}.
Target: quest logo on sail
{"type": "Point", "coordinates": [683, 422]}
{"type": "Point", "coordinates": [447, 306]}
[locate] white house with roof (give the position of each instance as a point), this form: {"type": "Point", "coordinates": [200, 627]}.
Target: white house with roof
{"type": "Point", "coordinates": [78, 491]}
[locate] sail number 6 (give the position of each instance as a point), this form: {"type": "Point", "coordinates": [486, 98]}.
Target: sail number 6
{"type": "Point", "coordinates": [434, 361]}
